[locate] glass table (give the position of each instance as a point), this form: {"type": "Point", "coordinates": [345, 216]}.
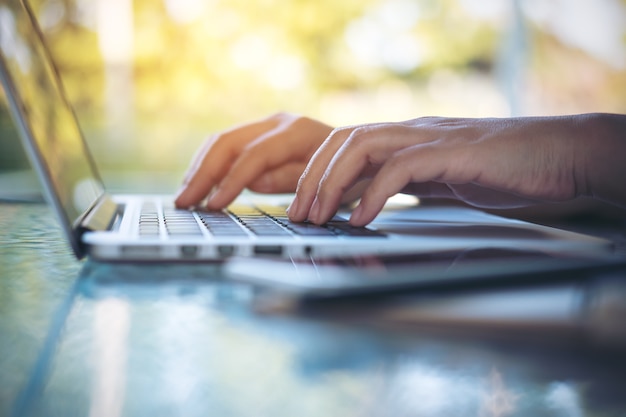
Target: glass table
{"type": "Point", "coordinates": [80, 338]}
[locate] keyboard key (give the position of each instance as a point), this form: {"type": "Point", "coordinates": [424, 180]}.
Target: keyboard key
{"type": "Point", "coordinates": [221, 224]}
{"type": "Point", "coordinates": [241, 221]}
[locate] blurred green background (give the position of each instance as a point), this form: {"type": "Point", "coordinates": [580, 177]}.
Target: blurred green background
{"type": "Point", "coordinates": [150, 79]}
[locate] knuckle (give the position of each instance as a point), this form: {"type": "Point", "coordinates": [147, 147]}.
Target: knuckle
{"type": "Point", "coordinates": [351, 137]}
{"type": "Point", "coordinates": [340, 133]}
{"type": "Point", "coordinates": [222, 142]}
{"type": "Point", "coordinates": [254, 147]}
{"type": "Point", "coordinates": [208, 144]}
{"type": "Point", "coordinates": [252, 159]}
{"type": "Point", "coordinates": [262, 153]}
{"type": "Point", "coordinates": [361, 138]}
{"type": "Point", "coordinates": [298, 121]}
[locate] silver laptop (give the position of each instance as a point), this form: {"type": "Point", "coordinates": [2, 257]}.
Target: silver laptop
{"type": "Point", "coordinates": [148, 228]}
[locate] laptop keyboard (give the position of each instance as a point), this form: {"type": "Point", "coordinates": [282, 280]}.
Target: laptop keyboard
{"type": "Point", "coordinates": [239, 221]}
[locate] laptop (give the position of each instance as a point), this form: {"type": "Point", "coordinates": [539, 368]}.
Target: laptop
{"type": "Point", "coordinates": [113, 228]}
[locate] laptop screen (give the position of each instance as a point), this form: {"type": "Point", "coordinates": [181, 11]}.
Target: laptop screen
{"type": "Point", "coordinates": [43, 115]}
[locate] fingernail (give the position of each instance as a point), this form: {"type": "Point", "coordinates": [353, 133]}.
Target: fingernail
{"type": "Point", "coordinates": [315, 211]}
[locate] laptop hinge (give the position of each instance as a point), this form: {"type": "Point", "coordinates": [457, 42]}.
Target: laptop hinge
{"type": "Point", "coordinates": [101, 216]}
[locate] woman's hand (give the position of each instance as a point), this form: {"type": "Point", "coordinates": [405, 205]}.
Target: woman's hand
{"type": "Point", "coordinates": [493, 163]}
{"type": "Point", "coordinates": [265, 156]}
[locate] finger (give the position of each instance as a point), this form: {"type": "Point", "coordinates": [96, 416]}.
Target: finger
{"type": "Point", "coordinates": [215, 159]}
{"type": "Point", "coordinates": [355, 192]}
{"type": "Point", "coordinates": [196, 184]}
{"type": "Point", "coordinates": [197, 158]}
{"type": "Point", "coordinates": [307, 184]}
{"type": "Point", "coordinates": [236, 137]}
{"type": "Point", "coordinates": [267, 153]}
{"type": "Point", "coordinates": [420, 168]}
{"type": "Point", "coordinates": [336, 181]}
{"type": "Point", "coordinates": [188, 196]}
{"type": "Point", "coordinates": [417, 164]}
{"type": "Point", "coordinates": [367, 147]}
{"type": "Point", "coordinates": [283, 179]}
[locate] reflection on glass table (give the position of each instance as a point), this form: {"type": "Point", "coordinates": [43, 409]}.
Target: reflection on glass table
{"type": "Point", "coordinates": [124, 340]}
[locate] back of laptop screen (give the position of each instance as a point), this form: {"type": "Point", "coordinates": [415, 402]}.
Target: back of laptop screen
{"type": "Point", "coordinates": [43, 114]}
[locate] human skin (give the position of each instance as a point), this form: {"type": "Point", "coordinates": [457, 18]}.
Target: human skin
{"type": "Point", "coordinates": [487, 162]}
{"type": "Point", "coordinates": [266, 156]}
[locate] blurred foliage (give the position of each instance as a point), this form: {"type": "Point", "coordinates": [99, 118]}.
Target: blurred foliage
{"type": "Point", "coordinates": [199, 66]}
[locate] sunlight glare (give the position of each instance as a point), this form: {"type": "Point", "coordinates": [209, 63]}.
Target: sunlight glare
{"type": "Point", "coordinates": [384, 37]}
{"type": "Point", "coordinates": [115, 30]}
{"type": "Point", "coordinates": [186, 11]}
{"type": "Point", "coordinates": [250, 51]}
{"type": "Point", "coordinates": [285, 72]}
